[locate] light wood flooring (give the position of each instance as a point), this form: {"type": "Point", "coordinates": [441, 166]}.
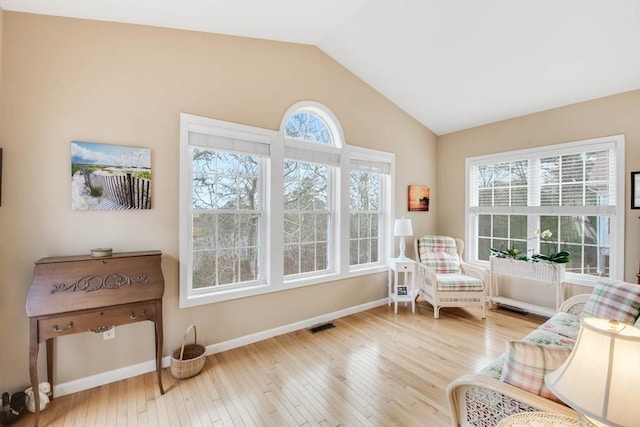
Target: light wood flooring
{"type": "Point", "coordinates": [375, 368]}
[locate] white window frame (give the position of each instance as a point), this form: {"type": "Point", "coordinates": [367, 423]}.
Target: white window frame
{"type": "Point", "coordinates": [616, 213]}
{"type": "Point", "coordinates": [331, 217]}
{"type": "Point", "coordinates": [230, 134]}
{"type": "Point", "coordinates": [363, 159]}
{"type": "Point", "coordinates": [330, 155]}
{"type": "Point", "coordinates": [272, 234]}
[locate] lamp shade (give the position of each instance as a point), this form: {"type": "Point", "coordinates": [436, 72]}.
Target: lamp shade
{"type": "Point", "coordinates": [601, 377]}
{"type": "Point", "coordinates": [402, 227]}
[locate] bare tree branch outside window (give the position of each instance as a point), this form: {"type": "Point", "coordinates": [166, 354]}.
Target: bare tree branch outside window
{"type": "Point", "coordinates": [225, 219]}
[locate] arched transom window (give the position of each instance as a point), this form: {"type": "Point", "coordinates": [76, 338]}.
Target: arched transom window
{"type": "Point", "coordinates": [263, 210]}
{"type": "Point", "coordinates": [308, 127]}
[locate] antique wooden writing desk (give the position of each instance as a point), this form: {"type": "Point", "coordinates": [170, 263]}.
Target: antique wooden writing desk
{"type": "Point", "coordinates": [90, 294]}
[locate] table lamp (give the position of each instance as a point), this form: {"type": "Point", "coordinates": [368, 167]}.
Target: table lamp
{"type": "Point", "coordinates": [401, 228]}
{"type": "Point", "coordinates": [601, 377]}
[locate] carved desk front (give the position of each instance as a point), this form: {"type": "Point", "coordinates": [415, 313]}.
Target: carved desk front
{"type": "Point", "coordinates": [76, 294]}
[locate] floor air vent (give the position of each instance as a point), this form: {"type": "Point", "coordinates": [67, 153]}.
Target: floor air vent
{"type": "Point", "coordinates": [321, 327]}
{"type": "Point", "coordinates": [514, 309]}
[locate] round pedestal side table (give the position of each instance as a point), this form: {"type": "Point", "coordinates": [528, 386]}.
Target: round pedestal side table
{"type": "Point", "coordinates": [538, 419]}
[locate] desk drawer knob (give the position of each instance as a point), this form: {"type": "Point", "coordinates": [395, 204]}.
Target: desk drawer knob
{"type": "Point", "coordinates": [57, 329]}
{"type": "Point", "coordinates": [133, 316]}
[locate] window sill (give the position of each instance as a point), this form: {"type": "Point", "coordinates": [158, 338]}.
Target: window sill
{"type": "Point", "coordinates": [197, 299]}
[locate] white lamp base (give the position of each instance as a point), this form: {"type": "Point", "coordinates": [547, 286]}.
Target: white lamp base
{"type": "Point", "coordinates": [402, 257]}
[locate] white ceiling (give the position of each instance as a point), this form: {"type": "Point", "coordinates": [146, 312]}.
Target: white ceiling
{"type": "Point", "coordinates": [450, 64]}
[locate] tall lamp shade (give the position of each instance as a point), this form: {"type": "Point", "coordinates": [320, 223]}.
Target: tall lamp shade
{"type": "Point", "coordinates": [601, 377]}
{"type": "Point", "coordinates": [401, 228]}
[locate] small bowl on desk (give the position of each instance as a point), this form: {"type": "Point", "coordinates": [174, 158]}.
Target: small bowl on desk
{"type": "Point", "coordinates": [101, 252]}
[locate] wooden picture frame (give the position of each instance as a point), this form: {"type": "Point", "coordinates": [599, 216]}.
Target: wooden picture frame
{"type": "Point", "coordinates": [402, 290]}
{"type": "Point", "coordinates": [635, 190]}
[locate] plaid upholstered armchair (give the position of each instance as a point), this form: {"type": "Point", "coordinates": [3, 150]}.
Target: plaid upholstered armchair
{"type": "Point", "coordinates": [444, 280]}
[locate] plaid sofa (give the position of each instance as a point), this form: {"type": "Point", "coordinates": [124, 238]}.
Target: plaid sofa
{"type": "Point", "coordinates": [514, 382]}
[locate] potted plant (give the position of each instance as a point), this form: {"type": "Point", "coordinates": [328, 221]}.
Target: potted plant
{"type": "Point", "coordinates": [561, 257]}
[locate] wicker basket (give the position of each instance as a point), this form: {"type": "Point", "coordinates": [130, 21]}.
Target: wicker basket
{"type": "Point", "coordinates": [188, 360]}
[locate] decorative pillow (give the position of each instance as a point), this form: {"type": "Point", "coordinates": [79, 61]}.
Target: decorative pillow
{"type": "Point", "coordinates": [526, 364]}
{"type": "Point", "coordinates": [547, 338]}
{"type": "Point", "coordinates": [439, 253]}
{"type": "Point", "coordinates": [494, 370]}
{"type": "Point", "coordinates": [614, 300]}
{"type": "Point", "coordinates": [563, 324]}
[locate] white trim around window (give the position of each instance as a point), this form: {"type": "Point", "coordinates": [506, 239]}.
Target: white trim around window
{"type": "Point", "coordinates": [268, 148]}
{"type": "Point", "coordinates": [518, 197]}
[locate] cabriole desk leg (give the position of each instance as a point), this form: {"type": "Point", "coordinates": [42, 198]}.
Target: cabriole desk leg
{"type": "Point", "coordinates": [159, 345]}
{"type": "Point", "coordinates": [33, 367]}
{"type": "Point", "coordinates": [50, 364]}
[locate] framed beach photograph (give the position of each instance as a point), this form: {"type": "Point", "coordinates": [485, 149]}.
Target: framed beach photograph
{"type": "Point", "coordinates": [419, 198]}
{"type": "Point", "coordinates": [110, 177]}
{"type": "Point", "coordinates": [635, 190]}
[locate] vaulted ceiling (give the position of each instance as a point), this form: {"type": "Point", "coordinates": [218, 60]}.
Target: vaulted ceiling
{"type": "Point", "coordinates": [451, 64]}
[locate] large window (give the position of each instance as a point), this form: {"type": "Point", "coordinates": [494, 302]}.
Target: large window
{"type": "Point", "coordinates": [307, 218]}
{"type": "Point", "coordinates": [574, 190]}
{"type": "Point", "coordinates": [367, 207]}
{"type": "Point", "coordinates": [226, 218]}
{"type": "Point", "coordinates": [365, 218]}
{"type": "Point", "coordinates": [262, 211]}
{"type": "Point", "coordinates": [311, 157]}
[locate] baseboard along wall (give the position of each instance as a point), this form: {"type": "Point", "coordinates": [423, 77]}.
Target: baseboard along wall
{"type": "Point", "coordinates": [150, 365]}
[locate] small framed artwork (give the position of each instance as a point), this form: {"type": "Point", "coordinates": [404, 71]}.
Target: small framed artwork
{"type": "Point", "coordinates": [419, 198]}
{"type": "Point", "coordinates": [402, 290]}
{"type": "Point", "coordinates": [635, 190]}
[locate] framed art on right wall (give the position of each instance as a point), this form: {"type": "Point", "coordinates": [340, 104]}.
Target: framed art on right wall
{"type": "Point", "coordinates": [419, 198]}
{"type": "Point", "coordinates": [635, 190]}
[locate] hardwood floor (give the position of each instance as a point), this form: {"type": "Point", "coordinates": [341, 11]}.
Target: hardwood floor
{"type": "Point", "coordinates": [374, 368]}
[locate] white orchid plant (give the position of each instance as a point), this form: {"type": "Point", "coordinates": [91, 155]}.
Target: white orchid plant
{"type": "Point", "coordinates": [561, 257]}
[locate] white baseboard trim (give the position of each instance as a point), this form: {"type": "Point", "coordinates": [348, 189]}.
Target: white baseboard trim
{"type": "Point", "coordinates": [104, 378]}
{"type": "Point", "coordinates": [150, 365]}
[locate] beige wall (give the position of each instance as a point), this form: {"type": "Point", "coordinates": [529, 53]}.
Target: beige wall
{"type": "Point", "coordinates": [67, 79]}
{"type": "Point", "coordinates": [1, 14]}
{"type": "Point", "coordinates": [612, 115]}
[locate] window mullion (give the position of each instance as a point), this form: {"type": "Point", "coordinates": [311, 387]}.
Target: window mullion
{"type": "Point", "coordinates": [534, 199]}
{"type": "Point", "coordinates": [535, 183]}
{"type": "Point", "coordinates": [274, 211]}
{"type": "Point", "coordinates": [343, 208]}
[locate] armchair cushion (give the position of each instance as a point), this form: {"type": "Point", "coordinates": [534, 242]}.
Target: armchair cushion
{"type": "Point", "coordinates": [439, 253]}
{"type": "Point", "coordinates": [459, 283]}
{"type": "Point", "coordinates": [526, 364]}
{"type": "Point", "coordinates": [614, 300]}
